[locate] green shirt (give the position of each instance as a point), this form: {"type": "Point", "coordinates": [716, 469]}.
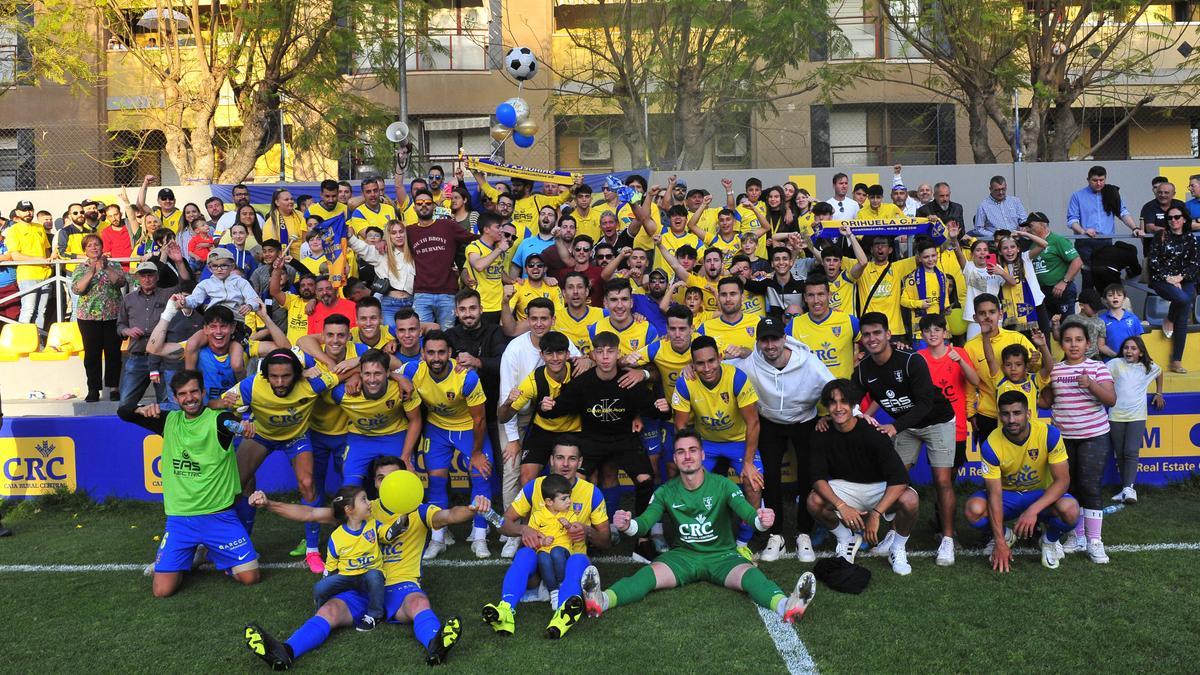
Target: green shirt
{"type": "Point", "coordinates": [199, 474]}
{"type": "Point", "coordinates": [1051, 265]}
{"type": "Point", "coordinates": [704, 517]}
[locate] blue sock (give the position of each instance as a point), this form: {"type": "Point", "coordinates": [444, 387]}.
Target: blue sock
{"type": "Point", "coordinates": [984, 523]}
{"type": "Point", "coordinates": [744, 532]}
{"type": "Point", "coordinates": [612, 499]}
{"type": "Point", "coordinates": [312, 531]}
{"type": "Point", "coordinates": [439, 491]}
{"type": "Point", "coordinates": [572, 577]}
{"type": "Point", "coordinates": [309, 636]}
{"type": "Point", "coordinates": [1055, 527]}
{"type": "Point", "coordinates": [480, 487]}
{"type": "Point", "coordinates": [516, 579]}
{"type": "Point", "coordinates": [245, 512]}
{"type": "Point", "coordinates": [425, 627]}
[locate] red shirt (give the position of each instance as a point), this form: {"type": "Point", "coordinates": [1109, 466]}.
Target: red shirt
{"type": "Point", "coordinates": [433, 250]}
{"type": "Point", "coordinates": [117, 244]}
{"type": "Point", "coordinates": [948, 376]}
{"type": "Point", "coordinates": [316, 320]}
{"type": "Point", "coordinates": [555, 263]}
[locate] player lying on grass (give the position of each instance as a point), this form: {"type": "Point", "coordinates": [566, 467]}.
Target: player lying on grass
{"type": "Point", "coordinates": [405, 602]}
{"type": "Point", "coordinates": [704, 507]}
{"type": "Point", "coordinates": [1025, 476]}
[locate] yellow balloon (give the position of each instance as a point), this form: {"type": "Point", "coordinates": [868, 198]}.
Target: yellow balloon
{"type": "Point", "coordinates": [500, 132]}
{"type": "Point", "coordinates": [401, 492]}
{"type": "Point", "coordinates": [527, 127]}
{"type": "Point", "coordinates": [955, 321]}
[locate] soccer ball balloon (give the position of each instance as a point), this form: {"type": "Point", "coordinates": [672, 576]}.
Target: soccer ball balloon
{"type": "Point", "coordinates": [401, 492]}
{"type": "Point", "coordinates": [520, 63]}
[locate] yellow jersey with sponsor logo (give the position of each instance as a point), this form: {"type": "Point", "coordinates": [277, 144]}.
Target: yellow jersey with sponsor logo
{"type": "Point", "coordinates": [402, 557]}
{"type": "Point", "coordinates": [983, 398]}
{"type": "Point", "coordinates": [1024, 467]}
{"type": "Point", "coordinates": [576, 330]}
{"type": "Point", "coordinates": [842, 292]}
{"type": "Point", "coordinates": [353, 552]}
{"type": "Point", "coordinates": [668, 362]}
{"type": "Point", "coordinates": [728, 249]}
{"type": "Point", "coordinates": [740, 333]}
{"type": "Point", "coordinates": [633, 337]}
{"type": "Point", "coordinates": [831, 339]}
{"type": "Point", "coordinates": [525, 292]}
{"type": "Point", "coordinates": [717, 410]}
{"type": "Point", "coordinates": [528, 388]}
{"type": "Point", "coordinates": [448, 400]}
{"type": "Point", "coordinates": [587, 507]}
{"type": "Point", "coordinates": [282, 418]}
{"type": "Point", "coordinates": [490, 282]}
{"type": "Point", "coordinates": [672, 242]}
{"type": "Point", "coordinates": [1030, 387]}
{"type": "Point", "coordinates": [328, 417]}
{"type": "Point", "coordinates": [363, 217]}
{"type": "Point", "coordinates": [381, 416]}
{"type": "Point", "coordinates": [879, 290]}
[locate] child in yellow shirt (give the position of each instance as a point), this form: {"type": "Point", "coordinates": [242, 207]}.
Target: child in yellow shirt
{"type": "Point", "coordinates": [552, 524]}
{"type": "Point", "coordinates": [353, 561]}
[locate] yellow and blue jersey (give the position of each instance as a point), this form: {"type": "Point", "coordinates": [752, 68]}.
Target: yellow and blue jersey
{"type": "Point", "coordinates": [754, 305]}
{"type": "Point", "coordinates": [1025, 467]}
{"type": "Point", "coordinates": [636, 335]}
{"type": "Point", "coordinates": [669, 362]}
{"type": "Point", "coordinates": [528, 389]}
{"type": "Point", "coordinates": [363, 217]}
{"type": "Point", "coordinates": [450, 399]}
{"type": "Point", "coordinates": [381, 416]}
{"type": "Point", "coordinates": [1033, 384]}
{"type": "Point", "coordinates": [353, 552]}
{"type": "Point", "coordinates": [831, 340]}
{"type": "Point", "coordinates": [576, 330]}
{"type": "Point", "coordinates": [842, 291]}
{"type": "Point", "coordinates": [402, 557]}
{"type": "Point", "coordinates": [550, 524]}
{"type": "Point", "coordinates": [740, 333]}
{"type": "Point", "coordinates": [327, 417]}
{"type": "Point", "coordinates": [490, 282]}
{"type": "Point", "coordinates": [716, 411]}
{"type": "Point", "coordinates": [524, 292]}
{"type": "Point", "coordinates": [728, 248]}
{"type": "Point", "coordinates": [282, 418]}
{"type": "Point", "coordinates": [587, 507]}
{"type": "Point", "coordinates": [672, 242]}
{"type": "Point", "coordinates": [385, 336]}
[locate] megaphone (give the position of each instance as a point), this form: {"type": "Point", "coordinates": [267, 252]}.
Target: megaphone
{"type": "Point", "coordinates": [396, 132]}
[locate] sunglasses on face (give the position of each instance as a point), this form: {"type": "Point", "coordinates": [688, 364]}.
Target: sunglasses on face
{"type": "Point", "coordinates": [1177, 216]}
{"type": "Point", "coordinates": [75, 213]}
{"type": "Point", "coordinates": [535, 266]}
{"type": "Point", "coordinates": [506, 235]}
{"type": "Point", "coordinates": [582, 249]}
{"type": "Point", "coordinates": [434, 176]}
{"type": "Point", "coordinates": [422, 202]}
{"type": "Point", "coordinates": [604, 256]}
{"type": "Point", "coordinates": [219, 266]}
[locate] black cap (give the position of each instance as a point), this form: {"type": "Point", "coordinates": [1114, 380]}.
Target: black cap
{"type": "Point", "coordinates": [24, 205]}
{"type": "Point", "coordinates": [769, 327]}
{"type": "Point", "coordinates": [660, 273]}
{"type": "Point", "coordinates": [1035, 217]}
{"type": "Point", "coordinates": [166, 193]}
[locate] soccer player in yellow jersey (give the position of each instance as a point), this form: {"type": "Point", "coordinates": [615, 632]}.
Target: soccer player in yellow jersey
{"type": "Point", "coordinates": [533, 286]}
{"type": "Point", "coordinates": [669, 355]}
{"type": "Point", "coordinates": [981, 403]}
{"type": "Point", "coordinates": [618, 302]}
{"type": "Point", "coordinates": [927, 290]}
{"type": "Point", "coordinates": [405, 601]}
{"type": "Point", "coordinates": [753, 304]}
{"type": "Point", "coordinates": [295, 304]}
{"type": "Point", "coordinates": [455, 420]}
{"type": "Point", "coordinates": [828, 333]}
{"type": "Point", "coordinates": [706, 280]}
{"type": "Point", "coordinates": [485, 265]}
{"type": "Point", "coordinates": [875, 209]}
{"type": "Point", "coordinates": [545, 381]}
{"type": "Point", "coordinates": [882, 281]}
{"type": "Point", "coordinates": [843, 281]}
{"type": "Point", "coordinates": [379, 417]}
{"type": "Point", "coordinates": [577, 317]}
{"type": "Point", "coordinates": [726, 239]}
{"type": "Point", "coordinates": [720, 402]}
{"type": "Point", "coordinates": [373, 211]}
{"type": "Point", "coordinates": [587, 525]}
{"type": "Point", "coordinates": [733, 327]}
{"type": "Point", "coordinates": [1010, 372]}
{"type": "Point", "coordinates": [370, 331]}
{"type": "Point", "coordinates": [587, 218]}
{"type": "Point", "coordinates": [330, 209]}
{"type": "Point", "coordinates": [678, 232]}
{"type": "Point", "coordinates": [1025, 476]}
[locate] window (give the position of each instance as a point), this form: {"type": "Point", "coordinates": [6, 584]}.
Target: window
{"type": "Point", "coordinates": [16, 159]}
{"type": "Point", "coordinates": [884, 134]}
{"type": "Point", "coordinates": [444, 137]}
{"type": "Point", "coordinates": [8, 55]}
{"type": "Point", "coordinates": [455, 36]}
{"type": "Point", "coordinates": [860, 30]}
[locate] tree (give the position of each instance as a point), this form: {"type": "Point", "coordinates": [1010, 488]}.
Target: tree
{"type": "Point", "coordinates": [253, 55]}
{"type": "Point", "coordinates": [1056, 55]}
{"type": "Point", "coordinates": [700, 64]}
{"type": "Point", "coordinates": [39, 46]}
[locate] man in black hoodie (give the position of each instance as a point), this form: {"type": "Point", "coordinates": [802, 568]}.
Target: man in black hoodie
{"type": "Point", "coordinates": [479, 345]}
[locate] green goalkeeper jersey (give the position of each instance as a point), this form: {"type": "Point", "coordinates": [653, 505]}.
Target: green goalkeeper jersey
{"type": "Point", "coordinates": [704, 517]}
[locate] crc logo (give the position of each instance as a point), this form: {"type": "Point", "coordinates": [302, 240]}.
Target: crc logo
{"type": "Point", "coordinates": [701, 530]}
{"type": "Point", "coordinates": [36, 466]}
{"type": "Point", "coordinates": [718, 421]}
{"type": "Point", "coordinates": [292, 417]}
{"type": "Point", "coordinates": [827, 353]}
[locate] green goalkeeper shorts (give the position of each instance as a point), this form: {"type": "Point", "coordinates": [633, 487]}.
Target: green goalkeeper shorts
{"type": "Point", "coordinates": [689, 566]}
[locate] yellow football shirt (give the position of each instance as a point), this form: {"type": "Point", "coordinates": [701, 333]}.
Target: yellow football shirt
{"type": "Point", "coordinates": [740, 333]}
{"type": "Point", "coordinates": [1025, 467]}
{"type": "Point", "coordinates": [587, 506]}
{"type": "Point", "coordinates": [830, 340]}
{"type": "Point", "coordinates": [450, 399]}
{"type": "Point", "coordinates": [717, 410]}
{"type": "Point", "coordinates": [381, 416]}
{"type": "Point", "coordinates": [528, 389]}
{"type": "Point", "coordinates": [490, 282]}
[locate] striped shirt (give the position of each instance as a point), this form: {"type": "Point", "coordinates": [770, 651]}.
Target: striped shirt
{"type": "Point", "coordinates": [1077, 412]}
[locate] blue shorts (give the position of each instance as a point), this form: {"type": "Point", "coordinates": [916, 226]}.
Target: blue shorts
{"type": "Point", "coordinates": [292, 448]}
{"type": "Point", "coordinates": [393, 600]}
{"type": "Point", "coordinates": [1015, 503]}
{"type": "Point", "coordinates": [221, 532]}
{"type": "Point", "coordinates": [652, 436]}
{"type": "Point", "coordinates": [440, 444]}
{"type": "Point", "coordinates": [734, 451]}
{"type": "Point", "coordinates": [361, 450]}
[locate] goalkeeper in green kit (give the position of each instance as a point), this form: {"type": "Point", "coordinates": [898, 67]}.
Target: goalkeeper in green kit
{"type": "Point", "coordinates": [704, 507]}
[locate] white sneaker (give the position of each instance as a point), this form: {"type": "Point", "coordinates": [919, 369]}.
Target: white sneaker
{"type": "Point", "coordinates": [1010, 538]}
{"type": "Point", "coordinates": [945, 552]}
{"type": "Point", "coordinates": [480, 547]}
{"type": "Point", "coordinates": [433, 549]}
{"type": "Point", "coordinates": [1095, 549]}
{"type": "Point", "coordinates": [593, 596]}
{"type": "Point", "coordinates": [849, 548]}
{"type": "Point", "coordinates": [899, 559]}
{"type": "Point", "coordinates": [774, 548]}
{"type": "Point", "coordinates": [1049, 554]}
{"type": "Point", "coordinates": [450, 541]}
{"type": "Point", "coordinates": [1120, 496]}
{"type": "Point", "coordinates": [511, 546]}
{"type": "Point", "coordinates": [1074, 544]}
{"type": "Point", "coordinates": [554, 599]}
{"type": "Point", "coordinates": [802, 595]}
{"type": "Point", "coordinates": [884, 546]}
{"type": "Point", "coordinates": [1130, 495]}
{"type": "Point", "coordinates": [804, 549]}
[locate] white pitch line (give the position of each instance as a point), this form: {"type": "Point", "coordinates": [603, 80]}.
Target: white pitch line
{"type": "Point", "coordinates": [604, 560]}
{"type": "Point", "coordinates": [795, 655]}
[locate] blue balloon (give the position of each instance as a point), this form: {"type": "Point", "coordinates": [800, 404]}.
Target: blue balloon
{"type": "Point", "coordinates": [506, 115]}
{"type": "Point", "coordinates": [522, 140]}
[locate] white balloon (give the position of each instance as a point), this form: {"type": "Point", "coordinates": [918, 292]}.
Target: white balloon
{"type": "Point", "coordinates": [520, 106]}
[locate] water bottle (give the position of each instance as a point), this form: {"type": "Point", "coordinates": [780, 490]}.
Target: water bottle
{"type": "Point", "coordinates": [232, 427]}
{"type": "Point", "coordinates": [495, 519]}
{"type": "Point", "coordinates": [1109, 510]}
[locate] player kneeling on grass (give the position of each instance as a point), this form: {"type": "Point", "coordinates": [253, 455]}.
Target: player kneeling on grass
{"type": "Point", "coordinates": [859, 480]}
{"type": "Point", "coordinates": [404, 601]}
{"type": "Point", "coordinates": [587, 522]}
{"type": "Point", "coordinates": [705, 507]}
{"type": "Point", "coordinates": [200, 484]}
{"type": "Point", "coordinates": [1025, 476]}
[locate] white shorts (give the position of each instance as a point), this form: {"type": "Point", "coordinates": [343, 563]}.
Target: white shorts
{"type": "Point", "coordinates": [860, 496]}
{"type": "Point", "coordinates": [939, 442]}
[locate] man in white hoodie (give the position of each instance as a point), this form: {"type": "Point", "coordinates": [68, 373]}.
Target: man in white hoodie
{"type": "Point", "coordinates": [789, 379]}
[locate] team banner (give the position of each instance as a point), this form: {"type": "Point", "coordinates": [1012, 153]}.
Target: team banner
{"type": "Point", "coordinates": [888, 227]}
{"type": "Point", "coordinates": [494, 168]}
{"type": "Point", "coordinates": [334, 236]}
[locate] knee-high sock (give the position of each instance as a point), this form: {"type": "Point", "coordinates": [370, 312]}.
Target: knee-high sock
{"type": "Point", "coordinates": [312, 531]}
{"type": "Point", "coordinates": [572, 577]}
{"type": "Point", "coordinates": [309, 636]}
{"type": "Point", "coordinates": [516, 579]}
{"type": "Point", "coordinates": [762, 590]}
{"type": "Point", "coordinates": [612, 499]}
{"type": "Point", "coordinates": [1093, 522]}
{"type": "Point", "coordinates": [632, 588]}
{"type": "Point", "coordinates": [439, 491]}
{"type": "Point", "coordinates": [425, 627]}
{"type": "Point", "coordinates": [480, 487]}
{"type": "Point", "coordinates": [245, 512]}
